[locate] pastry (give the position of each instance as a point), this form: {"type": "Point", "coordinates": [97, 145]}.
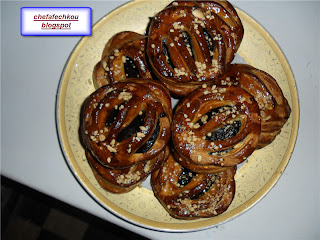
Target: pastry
{"type": "Point", "coordinates": [274, 107]}
{"type": "Point", "coordinates": [189, 195]}
{"type": "Point", "coordinates": [226, 110]}
{"type": "Point", "coordinates": [124, 180]}
{"type": "Point", "coordinates": [126, 123]}
{"type": "Point", "coordinates": [189, 45]}
{"type": "Point", "coordinates": [215, 127]}
{"type": "Point", "coordinates": [226, 12]}
{"type": "Point", "coordinates": [123, 58]}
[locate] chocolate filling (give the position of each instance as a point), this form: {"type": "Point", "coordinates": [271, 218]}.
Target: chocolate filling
{"type": "Point", "coordinates": [207, 188]}
{"type": "Point", "coordinates": [167, 54]}
{"type": "Point", "coordinates": [132, 128]}
{"type": "Point", "coordinates": [225, 132]}
{"type": "Point", "coordinates": [185, 177]}
{"type": "Point", "coordinates": [131, 69]}
{"type": "Point", "coordinates": [209, 40]}
{"type": "Point", "coordinates": [163, 114]}
{"type": "Point", "coordinates": [187, 42]}
{"type": "Point", "coordinates": [213, 112]}
{"type": "Point", "coordinates": [149, 143]}
{"type": "Point", "coordinates": [112, 116]}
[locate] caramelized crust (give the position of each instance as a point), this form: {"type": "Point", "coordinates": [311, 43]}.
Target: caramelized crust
{"type": "Point", "coordinates": [188, 195]}
{"type": "Point", "coordinates": [126, 123]}
{"type": "Point", "coordinates": [226, 12]}
{"type": "Point", "coordinates": [189, 44]}
{"type": "Point", "coordinates": [227, 111]}
{"type": "Point", "coordinates": [124, 180]}
{"type": "Point", "coordinates": [215, 127]}
{"type": "Point", "coordinates": [123, 58]}
{"type": "Point", "coordinates": [274, 107]}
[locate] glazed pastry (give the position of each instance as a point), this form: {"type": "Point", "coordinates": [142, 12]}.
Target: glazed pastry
{"type": "Point", "coordinates": [126, 123]}
{"type": "Point", "coordinates": [189, 45]}
{"type": "Point", "coordinates": [189, 195]}
{"type": "Point", "coordinates": [274, 107]}
{"type": "Point", "coordinates": [123, 58]}
{"type": "Point", "coordinates": [226, 12]}
{"type": "Point", "coordinates": [215, 127]}
{"type": "Point", "coordinates": [124, 180]}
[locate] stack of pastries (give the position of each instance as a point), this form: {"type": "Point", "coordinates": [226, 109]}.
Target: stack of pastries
{"type": "Point", "coordinates": [225, 111]}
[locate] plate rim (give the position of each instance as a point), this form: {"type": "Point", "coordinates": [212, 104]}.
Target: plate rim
{"type": "Point", "coordinates": [186, 226]}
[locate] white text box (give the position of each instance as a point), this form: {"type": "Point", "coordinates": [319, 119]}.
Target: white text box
{"type": "Point", "coordinates": [56, 21]}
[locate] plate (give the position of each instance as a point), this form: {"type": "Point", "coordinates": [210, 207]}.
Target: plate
{"type": "Point", "coordinates": [255, 177]}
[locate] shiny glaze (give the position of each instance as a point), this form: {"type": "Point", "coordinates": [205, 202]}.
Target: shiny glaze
{"type": "Point", "coordinates": [109, 178]}
{"type": "Point", "coordinates": [112, 67]}
{"type": "Point", "coordinates": [167, 47]}
{"type": "Point", "coordinates": [197, 147]}
{"type": "Point", "coordinates": [203, 195]}
{"type": "Point", "coordinates": [108, 138]}
{"type": "Point", "coordinates": [274, 107]}
{"type": "Point", "coordinates": [225, 11]}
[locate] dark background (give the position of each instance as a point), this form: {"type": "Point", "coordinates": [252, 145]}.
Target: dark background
{"type": "Point", "coordinates": [29, 215]}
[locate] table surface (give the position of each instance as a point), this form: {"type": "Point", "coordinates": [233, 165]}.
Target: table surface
{"type": "Point", "coordinates": [30, 153]}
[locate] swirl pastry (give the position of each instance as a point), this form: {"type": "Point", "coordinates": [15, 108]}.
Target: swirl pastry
{"type": "Point", "coordinates": [274, 107]}
{"type": "Point", "coordinates": [123, 57]}
{"type": "Point", "coordinates": [188, 195]}
{"type": "Point", "coordinates": [124, 180]}
{"type": "Point", "coordinates": [189, 45]}
{"type": "Point", "coordinates": [215, 127]}
{"type": "Point", "coordinates": [226, 12]}
{"type": "Point", "coordinates": [126, 123]}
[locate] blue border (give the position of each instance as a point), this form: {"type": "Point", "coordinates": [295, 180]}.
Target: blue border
{"type": "Point", "coordinates": [57, 34]}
